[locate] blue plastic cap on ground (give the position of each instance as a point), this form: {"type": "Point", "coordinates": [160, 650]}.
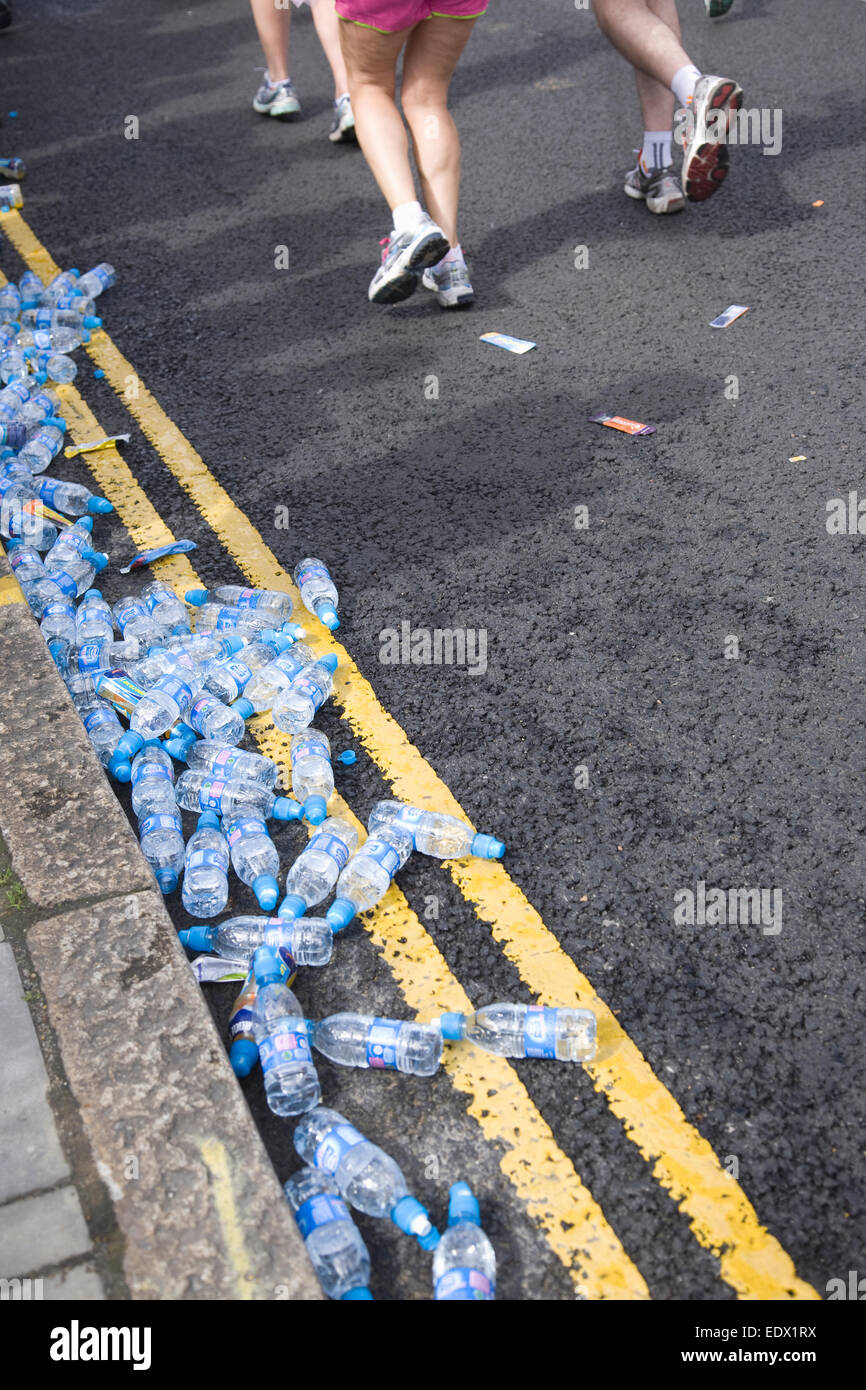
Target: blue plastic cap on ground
{"type": "Point", "coordinates": [430, 1241]}
{"type": "Point", "coordinates": [267, 890]}
{"type": "Point", "coordinates": [243, 708]}
{"type": "Point", "coordinates": [234, 644]}
{"type": "Point", "coordinates": [294, 630]}
{"type": "Point", "coordinates": [406, 1213]}
{"type": "Point", "coordinates": [340, 914]}
{"type": "Point", "coordinates": [196, 597]}
{"type": "Point", "coordinates": [315, 809]}
{"type": "Point", "coordinates": [267, 968]}
{"type": "Point", "coordinates": [128, 745]}
{"type": "Point", "coordinates": [99, 560]}
{"type": "Point", "coordinates": [167, 879]}
{"type": "Point", "coordinates": [329, 662]}
{"type": "Point", "coordinates": [208, 820]}
{"type": "Point", "coordinates": [356, 1296]}
{"type": "Point", "coordinates": [85, 522]}
{"type": "Point", "coordinates": [293, 905]}
{"type": "Point", "coordinates": [120, 768]}
{"type": "Point", "coordinates": [462, 1205]}
{"type": "Point", "coordinates": [348, 757]}
{"type": "Point", "coordinates": [243, 1055]}
{"type": "Point", "coordinates": [99, 374]}
{"type": "Point", "coordinates": [487, 847]}
{"type": "Point", "coordinates": [91, 321]}
{"type": "Point", "coordinates": [280, 641]}
{"type": "Point", "coordinates": [451, 1026]}
{"type": "Point", "coordinates": [327, 614]}
{"type": "Point", "coordinates": [100, 505]}
{"type": "Point", "coordinates": [197, 938]}
{"type": "Point", "coordinates": [286, 808]}
{"type": "Point", "coordinates": [92, 593]}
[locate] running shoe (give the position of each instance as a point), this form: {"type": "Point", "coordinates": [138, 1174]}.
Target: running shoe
{"type": "Point", "coordinates": [716, 8]}
{"type": "Point", "coordinates": [403, 259]}
{"type": "Point", "coordinates": [449, 281]}
{"type": "Point", "coordinates": [343, 124]}
{"type": "Point", "coordinates": [660, 189]}
{"type": "Point", "coordinates": [705, 158]}
{"type": "Point", "coordinates": [280, 100]}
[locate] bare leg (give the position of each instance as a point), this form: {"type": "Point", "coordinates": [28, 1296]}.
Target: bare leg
{"type": "Point", "coordinates": [656, 100]}
{"type": "Point", "coordinates": [273, 28]}
{"type": "Point", "coordinates": [371, 63]}
{"type": "Point", "coordinates": [432, 52]}
{"type": "Point", "coordinates": [328, 29]}
{"type": "Point", "coordinates": [648, 41]}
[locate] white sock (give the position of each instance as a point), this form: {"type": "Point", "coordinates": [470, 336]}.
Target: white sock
{"type": "Point", "coordinates": [656, 151]}
{"type": "Point", "coordinates": [343, 97]}
{"type": "Point", "coordinates": [272, 85]}
{"type": "Point", "coordinates": [407, 217]}
{"type": "Point", "coordinates": [684, 83]}
{"type": "Point", "coordinates": [454, 254]}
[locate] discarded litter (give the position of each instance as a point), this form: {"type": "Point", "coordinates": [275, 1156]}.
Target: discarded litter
{"type": "Point", "coordinates": [347, 757]}
{"type": "Point", "coordinates": [504, 340]}
{"type": "Point", "coordinates": [334, 1244]}
{"type": "Point", "coordinates": [10, 197]}
{"type": "Point", "coordinates": [734, 311]}
{"type": "Point", "coordinates": [281, 1033]}
{"type": "Point", "coordinates": [147, 557]}
{"type": "Point", "coordinates": [464, 1263]}
{"type": "Point", "coordinates": [797, 458]}
{"type": "Point", "coordinates": [518, 1030]}
{"type": "Point", "coordinates": [73, 450]}
{"type": "Point", "coordinates": [619, 422]}
{"type": "Point", "coordinates": [12, 168]}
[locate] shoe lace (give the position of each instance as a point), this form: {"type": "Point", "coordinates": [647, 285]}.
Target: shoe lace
{"type": "Point", "coordinates": [385, 243]}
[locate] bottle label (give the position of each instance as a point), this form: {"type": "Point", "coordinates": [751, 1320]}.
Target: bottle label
{"type": "Point", "coordinates": [462, 1285]}
{"type": "Point", "coordinates": [97, 717]}
{"type": "Point", "coordinates": [90, 657]}
{"type": "Point", "coordinates": [382, 1043]}
{"type": "Point", "coordinates": [161, 821]}
{"type": "Point", "coordinates": [199, 709]}
{"type": "Point", "coordinates": [24, 557]}
{"type": "Point", "coordinates": [65, 583]}
{"type": "Point", "coordinates": [290, 1044]}
{"type": "Point", "coordinates": [308, 572]}
{"type": "Point", "coordinates": [247, 598]}
{"type": "Point", "coordinates": [210, 794]}
{"type": "Point", "coordinates": [42, 318]}
{"type": "Point", "coordinates": [410, 816]}
{"type": "Point", "coordinates": [320, 1211]}
{"type": "Point", "coordinates": [248, 826]}
{"type": "Point", "coordinates": [309, 686]}
{"type": "Point", "coordinates": [539, 1032]}
{"type": "Point", "coordinates": [148, 772]}
{"type": "Point", "coordinates": [311, 745]}
{"type": "Point", "coordinates": [226, 760]}
{"type": "Point", "coordinates": [160, 596]}
{"type": "Point", "coordinates": [57, 608]}
{"type": "Point", "coordinates": [227, 618]}
{"type": "Point", "coordinates": [42, 339]}
{"type": "Point", "coordinates": [208, 858]}
{"type": "Point", "coordinates": [382, 854]}
{"type": "Point", "coordinates": [125, 612]}
{"type": "Point", "coordinates": [330, 845]}
{"type": "Point", "coordinates": [239, 672]}
{"type": "Point", "coordinates": [335, 1145]}
{"type": "Point", "coordinates": [176, 689]}
{"type": "Point", "coordinates": [48, 488]}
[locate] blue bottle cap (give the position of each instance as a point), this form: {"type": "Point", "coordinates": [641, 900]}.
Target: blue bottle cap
{"type": "Point", "coordinates": [267, 967]}
{"type": "Point", "coordinates": [90, 321]}
{"type": "Point", "coordinates": [99, 374]}
{"type": "Point", "coordinates": [167, 879]}
{"type": "Point", "coordinates": [267, 890]}
{"type": "Point", "coordinates": [180, 630]}
{"type": "Point", "coordinates": [176, 748]}
{"type": "Point", "coordinates": [57, 422]}
{"type": "Point", "coordinates": [340, 914]}
{"type": "Point", "coordinates": [243, 708]}
{"type": "Point", "coordinates": [356, 1295]}
{"type": "Point", "coordinates": [315, 809]}
{"type": "Point", "coordinates": [293, 905]}
{"type": "Point", "coordinates": [196, 597]}
{"type": "Point", "coordinates": [294, 630]}
{"type": "Point", "coordinates": [487, 847]}
{"type": "Point", "coordinates": [348, 757]}
{"type": "Point", "coordinates": [234, 644]}
{"type": "Point", "coordinates": [243, 1055]}
{"type": "Point", "coordinates": [208, 820]}
{"type": "Point", "coordinates": [92, 593]}
{"type": "Point", "coordinates": [279, 641]}
{"type": "Point", "coordinates": [100, 505]}
{"type": "Point", "coordinates": [329, 662]}
{"type": "Point", "coordinates": [197, 938]}
{"type": "Point", "coordinates": [462, 1205]}
{"type": "Point", "coordinates": [99, 560]}
{"type": "Point", "coordinates": [406, 1213]}
{"type": "Point", "coordinates": [327, 614]}
{"type": "Point", "coordinates": [120, 768]}
{"type": "Point", "coordinates": [286, 808]}
{"type": "Point", "coordinates": [451, 1026]}
{"type": "Point", "coordinates": [128, 745]}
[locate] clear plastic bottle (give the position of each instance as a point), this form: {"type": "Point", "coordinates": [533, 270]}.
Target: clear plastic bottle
{"type": "Point", "coordinates": [205, 868]}
{"type": "Point", "coordinates": [162, 845]}
{"type": "Point", "coordinates": [134, 620]}
{"type": "Point", "coordinates": [101, 725]}
{"type": "Point", "coordinates": [368, 874]}
{"type": "Point", "coordinates": [72, 569]}
{"type": "Point", "coordinates": [42, 404]}
{"type": "Point", "coordinates": [14, 365]}
{"type": "Point", "coordinates": [152, 781]}
{"type": "Point", "coordinates": [295, 708]}
{"type": "Point", "coordinates": [254, 858]}
{"type": "Point", "coordinates": [318, 591]}
{"type": "Point", "coordinates": [229, 678]}
{"type": "Point", "coordinates": [334, 1244]}
{"type": "Point", "coordinates": [434, 832]}
{"type": "Point", "coordinates": [312, 774]}
{"type": "Point", "coordinates": [94, 281]}
{"type": "Point", "coordinates": [71, 498]}
{"type": "Point", "coordinates": [50, 339]}
{"type": "Point", "coordinates": [367, 1177]}
{"type": "Point", "coordinates": [44, 445]}
{"type": "Point", "coordinates": [97, 658]}
{"type": "Point", "coordinates": [260, 692]}
{"type": "Point", "coordinates": [93, 620]}
{"type": "Point", "coordinates": [58, 629]}
{"type": "Point", "coordinates": [38, 587]}
{"type": "Point", "coordinates": [520, 1030]}
{"type": "Point", "coordinates": [318, 866]}
{"type": "Point", "coordinates": [243, 1053]}
{"type": "Point", "coordinates": [230, 763]}
{"type": "Point", "coordinates": [166, 609]}
{"type": "Point", "coordinates": [18, 524]}
{"type": "Point", "coordinates": [213, 618]}
{"type": "Point", "coordinates": [204, 649]}
{"type": "Point", "coordinates": [291, 1084]}
{"type": "Point", "coordinates": [167, 701]}
{"type": "Point", "coordinates": [275, 606]}
{"type": "Point", "coordinates": [49, 318]}
{"type": "Point", "coordinates": [212, 720]}
{"type": "Point", "coordinates": [362, 1040]}
{"type": "Point", "coordinates": [231, 800]}
{"type": "Point", "coordinates": [464, 1265]}
{"type": "Point", "coordinates": [305, 940]}
{"type": "Point", "coordinates": [56, 366]}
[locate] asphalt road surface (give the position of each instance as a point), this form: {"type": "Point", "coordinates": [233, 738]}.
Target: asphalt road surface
{"type": "Point", "coordinates": [696, 646]}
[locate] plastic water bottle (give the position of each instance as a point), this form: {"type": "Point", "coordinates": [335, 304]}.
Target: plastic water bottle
{"type": "Point", "coordinates": [147, 670]}
{"type": "Point", "coordinates": [166, 702]}
{"type": "Point", "coordinates": [56, 366]}
{"type": "Point", "coordinates": [291, 1083]}
{"type": "Point", "coordinates": [464, 1265]}
{"type": "Point", "coordinates": [318, 866]}
{"type": "Point", "coordinates": [205, 868]}
{"type": "Point", "coordinates": [71, 498]}
{"type": "Point", "coordinates": [10, 298]}
{"type": "Point", "coordinates": [41, 405]}
{"type": "Point", "coordinates": [77, 537]}
{"type": "Point", "coordinates": [305, 940]}
{"type": "Point", "coordinates": [31, 288]}
{"type": "Point", "coordinates": [312, 774]}
{"type": "Point", "coordinates": [102, 727]}
{"type": "Point", "coordinates": [243, 1053]}
{"type": "Point", "coordinates": [212, 720]}
{"type": "Point", "coordinates": [275, 606]}
{"type": "Point", "coordinates": [231, 764]}
{"type": "Point", "coordinates": [29, 526]}
{"type": "Point", "coordinates": [100, 278]}
{"type": "Point", "coordinates": [204, 649]}
{"type": "Point", "coordinates": [520, 1030]}
{"type": "Point", "coordinates": [334, 1244]}
{"type": "Point", "coordinates": [212, 618]}
{"type": "Point", "coordinates": [368, 874]}
{"type": "Point", "coordinates": [296, 708]}
{"type": "Point", "coordinates": [93, 620]}
{"type": "Point", "coordinates": [74, 570]}
{"type": "Point", "coordinates": [260, 692]}
{"type": "Point", "coordinates": [49, 318]}
{"type": "Point", "coordinates": [50, 339]}
{"type": "Point", "coordinates": [360, 1040]}
{"type": "Point", "coordinates": [254, 858]}
{"type": "Point", "coordinates": [367, 1177]}
{"type": "Point", "coordinates": [44, 445]}
{"type": "Point", "coordinates": [152, 781]}
{"type": "Point", "coordinates": [14, 365]}
{"type": "Point", "coordinates": [38, 587]}
{"type": "Point", "coordinates": [15, 397]}
{"type": "Point", "coordinates": [162, 845]}
{"type": "Point", "coordinates": [229, 678]}
{"type": "Point", "coordinates": [231, 800]}
{"type": "Point", "coordinates": [166, 609]}
{"type": "Point", "coordinates": [134, 620]}
{"type": "Point", "coordinates": [434, 832]}
{"type": "Point", "coordinates": [318, 593]}
{"type": "Point", "coordinates": [58, 629]}
{"type": "Point", "coordinates": [96, 658]}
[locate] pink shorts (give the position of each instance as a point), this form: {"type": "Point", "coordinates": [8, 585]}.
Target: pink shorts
{"type": "Point", "coordinates": [388, 16]}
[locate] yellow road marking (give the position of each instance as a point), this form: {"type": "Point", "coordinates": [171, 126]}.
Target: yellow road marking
{"type": "Point", "coordinates": [217, 1161]}
{"type": "Point", "coordinates": [720, 1215]}
{"type": "Point", "coordinates": [10, 589]}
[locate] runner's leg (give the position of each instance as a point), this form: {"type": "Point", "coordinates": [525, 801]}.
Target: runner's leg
{"type": "Point", "coordinates": [273, 29]}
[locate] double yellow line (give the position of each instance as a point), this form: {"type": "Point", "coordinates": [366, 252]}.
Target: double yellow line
{"type": "Point", "coordinates": [720, 1215]}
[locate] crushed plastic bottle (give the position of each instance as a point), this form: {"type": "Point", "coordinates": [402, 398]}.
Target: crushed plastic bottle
{"type": "Point", "coordinates": [195, 792]}
{"type": "Point", "coordinates": [295, 708]}
{"type": "Point", "coordinates": [464, 1263]}
{"type": "Point", "coordinates": [302, 940]}
{"type": "Point", "coordinates": [93, 620]}
{"type": "Point", "coordinates": [205, 869]}
{"type": "Point", "coordinates": [368, 874]}
{"type": "Point", "coordinates": [291, 1084]}
{"type": "Point", "coordinates": [318, 591]}
{"type": "Point", "coordinates": [312, 774]}
{"type": "Point", "coordinates": [434, 832]}
{"type": "Point", "coordinates": [334, 1244]}
{"type": "Point", "coordinates": [367, 1177]}
{"type": "Point", "coordinates": [276, 606]}
{"type": "Point", "coordinates": [318, 866]}
{"type": "Point", "coordinates": [228, 678]}
{"type": "Point", "coordinates": [521, 1030]}
{"type": "Point", "coordinates": [58, 629]}
{"type": "Point", "coordinates": [38, 587]}
{"type": "Point", "coordinates": [166, 609]}
{"type": "Point", "coordinates": [362, 1040]}
{"type": "Point", "coordinates": [134, 620]}
{"type": "Point", "coordinates": [254, 858]}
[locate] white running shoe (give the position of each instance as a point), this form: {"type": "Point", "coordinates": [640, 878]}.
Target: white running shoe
{"type": "Point", "coordinates": [280, 100]}
{"type": "Point", "coordinates": [343, 124]}
{"type": "Point", "coordinates": [449, 281]}
{"type": "Point", "coordinates": [403, 259]}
